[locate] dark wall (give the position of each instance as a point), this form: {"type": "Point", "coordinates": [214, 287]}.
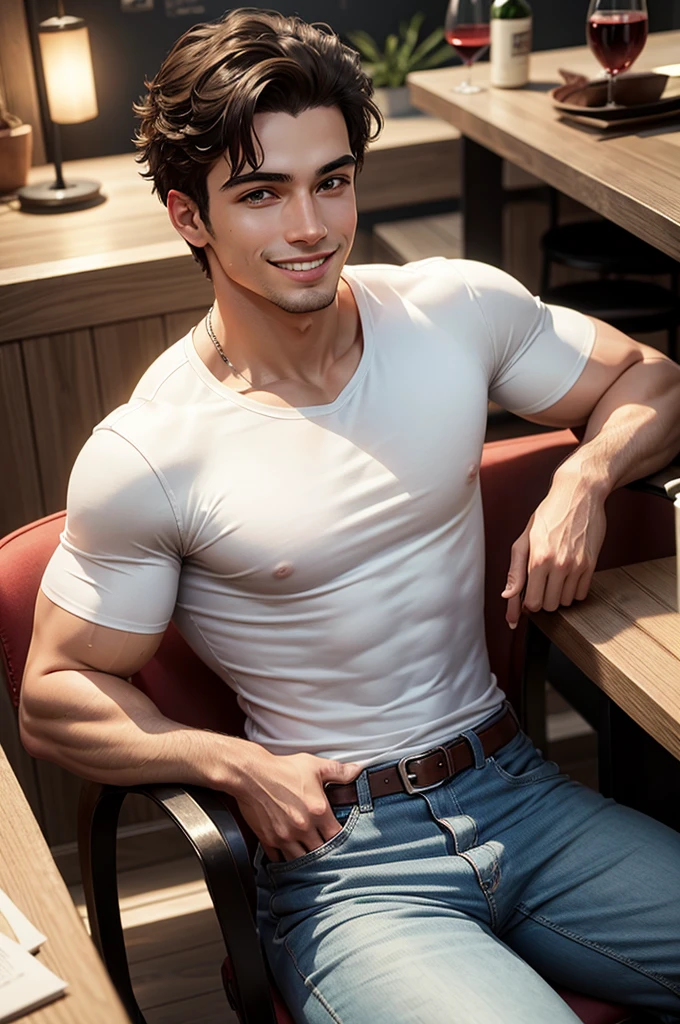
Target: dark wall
{"type": "Point", "coordinates": [129, 45]}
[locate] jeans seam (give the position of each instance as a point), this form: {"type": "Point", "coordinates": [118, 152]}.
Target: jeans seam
{"type": "Point", "coordinates": [311, 987]}
{"type": "Point", "coordinates": [597, 947]}
{"type": "Point", "coordinates": [488, 895]}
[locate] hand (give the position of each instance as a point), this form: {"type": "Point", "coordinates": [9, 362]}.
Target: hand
{"type": "Point", "coordinates": [553, 560]}
{"type": "Point", "coordinates": [285, 804]}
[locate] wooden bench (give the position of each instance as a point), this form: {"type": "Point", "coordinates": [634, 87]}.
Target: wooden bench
{"type": "Point", "coordinates": [404, 241]}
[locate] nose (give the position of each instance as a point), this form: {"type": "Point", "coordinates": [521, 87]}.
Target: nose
{"type": "Point", "coordinates": [303, 220]}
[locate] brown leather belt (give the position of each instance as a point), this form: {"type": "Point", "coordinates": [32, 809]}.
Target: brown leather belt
{"type": "Point", "coordinates": [422, 771]}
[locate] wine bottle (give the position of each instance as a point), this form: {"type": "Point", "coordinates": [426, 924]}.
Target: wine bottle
{"type": "Point", "coordinates": [511, 26]}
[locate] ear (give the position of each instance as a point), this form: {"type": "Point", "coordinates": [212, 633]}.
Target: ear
{"type": "Point", "coordinates": [186, 219]}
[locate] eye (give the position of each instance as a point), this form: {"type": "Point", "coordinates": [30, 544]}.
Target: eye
{"type": "Point", "coordinates": [335, 183]}
{"type": "Point", "coordinates": [256, 198]}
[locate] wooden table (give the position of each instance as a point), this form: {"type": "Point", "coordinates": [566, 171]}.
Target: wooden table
{"type": "Point", "coordinates": [30, 878]}
{"type": "Point", "coordinates": [123, 259]}
{"type": "Point", "coordinates": [625, 637]}
{"type": "Point", "coordinates": [632, 179]}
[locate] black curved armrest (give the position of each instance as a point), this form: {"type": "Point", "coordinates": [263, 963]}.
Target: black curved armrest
{"type": "Point", "coordinates": [665, 483]}
{"type": "Point", "coordinates": [217, 841]}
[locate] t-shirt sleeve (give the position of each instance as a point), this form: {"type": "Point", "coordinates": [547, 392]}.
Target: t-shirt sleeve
{"type": "Point", "coordinates": [119, 556]}
{"type": "Point", "coordinates": [537, 351]}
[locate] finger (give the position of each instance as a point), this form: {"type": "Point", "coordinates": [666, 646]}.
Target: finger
{"type": "Point", "coordinates": [583, 585]}
{"type": "Point", "coordinates": [554, 586]}
{"type": "Point", "coordinates": [514, 610]}
{"type": "Point", "coordinates": [535, 592]}
{"type": "Point", "coordinates": [324, 836]}
{"type": "Point", "coordinates": [337, 771]}
{"type": "Point", "coordinates": [569, 589]}
{"type": "Point", "coordinates": [330, 828]}
{"type": "Point", "coordinates": [272, 853]}
{"type": "Point", "coordinates": [518, 566]}
{"type": "Point", "coordinates": [291, 851]}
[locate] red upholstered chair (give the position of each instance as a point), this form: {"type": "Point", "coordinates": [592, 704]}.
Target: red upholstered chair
{"type": "Point", "coordinates": [515, 475]}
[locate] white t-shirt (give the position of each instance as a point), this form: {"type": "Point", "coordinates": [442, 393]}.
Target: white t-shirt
{"type": "Point", "coordinates": [327, 562]}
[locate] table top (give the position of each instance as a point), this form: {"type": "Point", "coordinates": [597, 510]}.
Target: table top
{"type": "Point", "coordinates": [133, 226]}
{"type": "Point", "coordinates": [633, 179]}
{"type": "Point", "coordinates": [626, 637]}
{"type": "Point", "coordinates": [30, 877]}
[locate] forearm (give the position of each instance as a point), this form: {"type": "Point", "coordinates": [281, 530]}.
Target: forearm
{"type": "Point", "coordinates": [103, 728]}
{"type": "Point", "coordinates": [633, 430]}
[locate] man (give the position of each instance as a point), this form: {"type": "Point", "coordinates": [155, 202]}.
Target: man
{"type": "Point", "coordinates": [296, 484]}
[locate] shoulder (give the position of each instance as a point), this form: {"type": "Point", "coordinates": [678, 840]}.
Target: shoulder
{"type": "Point", "coordinates": [171, 363]}
{"type": "Point", "coordinates": [113, 483]}
{"type": "Point", "coordinates": [437, 281]}
{"type": "Point", "coordinates": [406, 278]}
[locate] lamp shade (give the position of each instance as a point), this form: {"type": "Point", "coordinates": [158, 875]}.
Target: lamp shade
{"type": "Point", "coordinates": [67, 67]}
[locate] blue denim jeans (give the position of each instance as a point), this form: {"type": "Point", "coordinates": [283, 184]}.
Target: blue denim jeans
{"type": "Point", "coordinates": [460, 904]}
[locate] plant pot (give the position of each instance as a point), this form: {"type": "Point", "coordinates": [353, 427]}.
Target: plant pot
{"type": "Point", "coordinates": [16, 148]}
{"type": "Point", "coordinates": [395, 102]}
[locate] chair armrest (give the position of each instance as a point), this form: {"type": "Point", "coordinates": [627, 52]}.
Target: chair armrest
{"type": "Point", "coordinates": [216, 839]}
{"type": "Point", "coordinates": [664, 484]}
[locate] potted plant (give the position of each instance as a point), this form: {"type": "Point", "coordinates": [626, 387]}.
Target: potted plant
{"type": "Point", "coordinates": [16, 146]}
{"type": "Point", "coordinates": [402, 54]}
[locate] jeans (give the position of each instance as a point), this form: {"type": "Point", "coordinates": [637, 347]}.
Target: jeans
{"type": "Point", "coordinates": [461, 904]}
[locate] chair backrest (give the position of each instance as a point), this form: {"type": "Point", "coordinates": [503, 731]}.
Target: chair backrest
{"type": "Point", "coordinates": [515, 475]}
{"type": "Point", "coordinates": [177, 680]}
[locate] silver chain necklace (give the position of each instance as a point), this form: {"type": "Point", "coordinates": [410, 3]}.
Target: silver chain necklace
{"type": "Point", "coordinates": [225, 358]}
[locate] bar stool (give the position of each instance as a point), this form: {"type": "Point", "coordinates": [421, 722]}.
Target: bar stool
{"type": "Point", "coordinates": [634, 307]}
{"type": "Point", "coordinates": [607, 249]}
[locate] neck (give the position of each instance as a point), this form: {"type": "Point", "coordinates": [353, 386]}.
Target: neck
{"type": "Point", "coordinates": [268, 344]}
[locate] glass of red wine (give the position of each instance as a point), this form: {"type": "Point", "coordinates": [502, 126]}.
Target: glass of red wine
{"type": "Point", "coordinates": [617, 33]}
{"type": "Point", "coordinates": [466, 28]}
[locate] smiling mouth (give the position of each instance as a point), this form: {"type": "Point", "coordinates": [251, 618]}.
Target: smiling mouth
{"type": "Point", "coordinates": [310, 264]}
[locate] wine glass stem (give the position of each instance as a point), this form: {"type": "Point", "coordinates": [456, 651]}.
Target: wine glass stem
{"type": "Point", "coordinates": [610, 89]}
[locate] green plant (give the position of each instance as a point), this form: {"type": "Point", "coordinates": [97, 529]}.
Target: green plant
{"type": "Point", "coordinates": [402, 54]}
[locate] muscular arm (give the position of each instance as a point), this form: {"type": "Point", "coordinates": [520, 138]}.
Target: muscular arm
{"type": "Point", "coordinates": [79, 709]}
{"type": "Point", "coordinates": [629, 400]}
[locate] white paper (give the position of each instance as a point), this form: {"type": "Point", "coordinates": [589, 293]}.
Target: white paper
{"type": "Point", "coordinates": [26, 934]}
{"type": "Point", "coordinates": [25, 983]}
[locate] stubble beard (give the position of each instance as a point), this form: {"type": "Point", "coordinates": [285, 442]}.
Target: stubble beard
{"type": "Point", "coordinates": [304, 302]}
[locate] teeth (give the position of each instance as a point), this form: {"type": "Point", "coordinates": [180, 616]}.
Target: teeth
{"type": "Point", "coordinates": [302, 266]}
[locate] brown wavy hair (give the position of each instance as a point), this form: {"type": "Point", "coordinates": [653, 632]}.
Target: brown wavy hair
{"type": "Point", "coordinates": [218, 75]}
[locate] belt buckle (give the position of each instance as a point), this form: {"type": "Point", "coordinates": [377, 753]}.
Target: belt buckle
{"type": "Point", "coordinates": [406, 776]}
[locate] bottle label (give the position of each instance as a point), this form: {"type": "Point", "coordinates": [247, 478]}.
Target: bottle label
{"type": "Point", "coordinates": [521, 43]}
{"type": "Point", "coordinates": [510, 49]}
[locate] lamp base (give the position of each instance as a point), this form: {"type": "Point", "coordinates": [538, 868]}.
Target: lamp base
{"type": "Point", "coordinates": [45, 198]}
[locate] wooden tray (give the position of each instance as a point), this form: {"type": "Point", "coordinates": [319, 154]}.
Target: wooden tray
{"type": "Point", "coordinates": [663, 92]}
{"type": "Point", "coordinates": [622, 124]}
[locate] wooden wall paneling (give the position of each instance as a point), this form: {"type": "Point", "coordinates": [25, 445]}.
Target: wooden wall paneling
{"type": "Point", "coordinates": [17, 78]}
{"type": "Point", "coordinates": [22, 499]}
{"type": "Point", "coordinates": [66, 405]}
{"type": "Point", "coordinates": [179, 324]}
{"type": "Point", "coordinates": [80, 297]}
{"type": "Point", "coordinates": [122, 353]}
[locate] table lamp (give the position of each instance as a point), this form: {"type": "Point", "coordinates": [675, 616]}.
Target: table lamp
{"type": "Point", "coordinates": [64, 63]}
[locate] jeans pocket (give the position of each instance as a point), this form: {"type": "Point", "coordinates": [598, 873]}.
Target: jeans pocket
{"type": "Point", "coordinates": [281, 867]}
{"type": "Point", "coordinates": [519, 763]}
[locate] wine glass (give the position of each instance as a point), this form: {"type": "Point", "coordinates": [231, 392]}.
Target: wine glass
{"type": "Point", "coordinates": [466, 28]}
{"type": "Point", "coordinates": [617, 33]}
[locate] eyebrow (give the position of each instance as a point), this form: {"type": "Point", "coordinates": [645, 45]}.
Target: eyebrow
{"type": "Point", "coordinates": [256, 176]}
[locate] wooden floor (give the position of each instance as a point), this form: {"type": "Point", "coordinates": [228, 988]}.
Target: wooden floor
{"type": "Point", "coordinates": [173, 941]}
